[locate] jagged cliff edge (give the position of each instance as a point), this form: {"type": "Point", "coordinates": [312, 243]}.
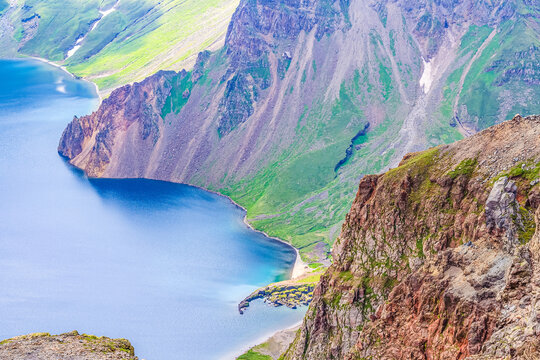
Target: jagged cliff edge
{"type": "Point", "coordinates": [438, 258]}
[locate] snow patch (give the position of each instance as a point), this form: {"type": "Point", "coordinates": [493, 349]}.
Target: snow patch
{"type": "Point", "coordinates": [427, 77]}
{"type": "Point", "coordinates": [78, 45]}
{"type": "Point", "coordinates": [72, 52]}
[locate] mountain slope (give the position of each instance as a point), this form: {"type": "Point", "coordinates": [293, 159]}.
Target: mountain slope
{"type": "Point", "coordinates": [307, 96]}
{"type": "Point", "coordinates": [438, 258]}
{"type": "Point", "coordinates": [136, 39]}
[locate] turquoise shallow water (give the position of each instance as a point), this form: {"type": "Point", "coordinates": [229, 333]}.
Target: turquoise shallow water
{"type": "Point", "coordinates": [161, 264]}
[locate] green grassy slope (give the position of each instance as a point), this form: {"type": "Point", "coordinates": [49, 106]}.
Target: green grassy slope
{"type": "Point", "coordinates": [138, 39]}
{"type": "Point", "coordinates": [502, 82]}
{"type": "Point", "coordinates": [303, 199]}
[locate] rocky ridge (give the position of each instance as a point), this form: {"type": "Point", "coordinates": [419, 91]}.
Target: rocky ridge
{"type": "Point", "coordinates": [70, 346]}
{"type": "Point", "coordinates": [438, 258]}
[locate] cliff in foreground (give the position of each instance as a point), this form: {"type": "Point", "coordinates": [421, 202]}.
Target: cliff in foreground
{"type": "Point", "coordinates": [438, 258]}
{"type": "Point", "coordinates": [70, 346]}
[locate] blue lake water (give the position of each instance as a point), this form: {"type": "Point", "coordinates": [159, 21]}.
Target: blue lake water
{"type": "Point", "coordinates": [161, 264]}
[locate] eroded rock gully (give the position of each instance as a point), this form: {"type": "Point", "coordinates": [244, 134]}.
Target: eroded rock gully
{"type": "Point", "coordinates": [438, 258]}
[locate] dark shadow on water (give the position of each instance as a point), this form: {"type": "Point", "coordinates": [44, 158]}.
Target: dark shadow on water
{"type": "Point", "coordinates": [154, 195]}
{"type": "Point", "coordinates": [133, 189]}
{"type": "Point", "coordinates": [78, 173]}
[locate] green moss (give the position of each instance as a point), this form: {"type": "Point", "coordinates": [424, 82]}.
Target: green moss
{"type": "Point", "coordinates": [346, 275]}
{"type": "Point", "coordinates": [90, 337]}
{"type": "Point", "coordinates": [389, 283]}
{"type": "Point", "coordinates": [385, 80]}
{"type": "Point", "coordinates": [179, 96]}
{"type": "Point", "coordinates": [416, 164]}
{"type": "Point", "coordinates": [528, 170]}
{"type": "Point", "coordinates": [336, 298]}
{"type": "Point", "coordinates": [465, 168]}
{"type": "Point", "coordinates": [420, 248]}
{"type": "Point", "coordinates": [528, 228]}
{"type": "Point", "coordinates": [260, 71]}
{"type": "Point", "coordinates": [18, 35]}
{"type": "Point", "coordinates": [29, 336]}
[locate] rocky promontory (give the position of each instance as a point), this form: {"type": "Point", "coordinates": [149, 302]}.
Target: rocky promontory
{"type": "Point", "coordinates": [70, 346]}
{"type": "Point", "coordinates": [291, 296]}
{"type": "Point", "coordinates": [291, 293]}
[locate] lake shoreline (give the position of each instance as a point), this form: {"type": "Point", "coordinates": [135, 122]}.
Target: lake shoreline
{"type": "Point", "coordinates": [63, 68]}
{"type": "Point", "coordinates": [299, 269]}
{"type": "Point", "coordinates": [262, 340]}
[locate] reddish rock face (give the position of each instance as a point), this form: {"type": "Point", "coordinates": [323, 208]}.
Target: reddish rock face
{"type": "Point", "coordinates": [90, 141]}
{"type": "Point", "coordinates": [438, 258]}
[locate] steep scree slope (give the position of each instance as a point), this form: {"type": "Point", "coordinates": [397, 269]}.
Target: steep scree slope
{"type": "Point", "coordinates": [438, 258]}
{"type": "Point", "coordinates": [306, 96]}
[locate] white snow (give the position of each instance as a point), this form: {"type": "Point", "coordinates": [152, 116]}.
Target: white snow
{"type": "Point", "coordinates": [427, 77]}
{"type": "Point", "coordinates": [78, 45]}
{"type": "Point", "coordinates": [72, 52]}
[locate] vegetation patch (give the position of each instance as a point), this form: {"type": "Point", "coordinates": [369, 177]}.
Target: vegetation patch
{"type": "Point", "coordinates": [179, 96]}
{"type": "Point", "coordinates": [528, 226]}
{"type": "Point", "coordinates": [288, 293]}
{"type": "Point", "coordinates": [313, 279]}
{"type": "Point", "coordinates": [528, 170]}
{"type": "Point", "coordinates": [465, 168]}
{"type": "Point", "coordinates": [253, 355]}
{"type": "Point", "coordinates": [417, 164]}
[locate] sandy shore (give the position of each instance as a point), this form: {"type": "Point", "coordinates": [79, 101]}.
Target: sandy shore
{"type": "Point", "coordinates": [280, 340]}
{"type": "Point", "coordinates": [300, 268]}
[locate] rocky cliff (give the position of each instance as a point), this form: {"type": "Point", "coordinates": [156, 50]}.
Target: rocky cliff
{"type": "Point", "coordinates": [438, 258]}
{"type": "Point", "coordinates": [70, 346]}
{"type": "Point", "coordinates": [306, 96]}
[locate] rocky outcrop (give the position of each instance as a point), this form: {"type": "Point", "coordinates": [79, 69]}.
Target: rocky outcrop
{"type": "Point", "coordinates": [278, 118]}
{"type": "Point", "coordinates": [438, 258]}
{"type": "Point", "coordinates": [90, 141]}
{"type": "Point", "coordinates": [292, 296]}
{"type": "Point", "coordinates": [502, 210]}
{"type": "Point", "coordinates": [70, 346]}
